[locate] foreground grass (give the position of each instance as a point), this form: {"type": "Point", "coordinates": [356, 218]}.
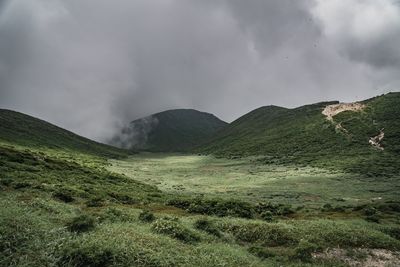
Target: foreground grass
{"type": "Point", "coordinates": [34, 232]}
{"type": "Point", "coordinates": [67, 209]}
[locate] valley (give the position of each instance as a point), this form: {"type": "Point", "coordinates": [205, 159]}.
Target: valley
{"type": "Point", "coordinates": [276, 187]}
{"type": "Point", "coordinates": [249, 180]}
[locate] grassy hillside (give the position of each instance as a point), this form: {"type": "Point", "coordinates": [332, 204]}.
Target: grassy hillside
{"type": "Point", "coordinates": [23, 130]}
{"type": "Point", "coordinates": [173, 130]}
{"type": "Point", "coordinates": [62, 203]}
{"type": "Point", "coordinates": [305, 135]}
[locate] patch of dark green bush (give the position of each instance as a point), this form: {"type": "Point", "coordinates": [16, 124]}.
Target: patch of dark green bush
{"type": "Point", "coordinates": [261, 252]}
{"type": "Point", "coordinates": [82, 256]}
{"type": "Point", "coordinates": [222, 208]}
{"type": "Point", "coordinates": [267, 216]}
{"type": "Point", "coordinates": [207, 226]}
{"type": "Point", "coordinates": [173, 228]}
{"type": "Point", "coordinates": [115, 215]}
{"type": "Point", "coordinates": [275, 209]}
{"type": "Point", "coordinates": [20, 185]}
{"type": "Point", "coordinates": [373, 218]}
{"type": "Point", "coordinates": [268, 234]}
{"type": "Point", "coordinates": [369, 211]}
{"type": "Point", "coordinates": [146, 216]}
{"type": "Point", "coordinates": [64, 195]}
{"type": "Point", "coordinates": [95, 202]}
{"type": "Point", "coordinates": [304, 250]}
{"type": "Point", "coordinates": [82, 223]}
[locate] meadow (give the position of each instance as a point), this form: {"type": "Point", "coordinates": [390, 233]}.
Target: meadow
{"type": "Point", "coordinates": [67, 208]}
{"type": "Point", "coordinates": [249, 180]}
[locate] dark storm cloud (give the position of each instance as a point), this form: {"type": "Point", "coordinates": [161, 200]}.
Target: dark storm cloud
{"type": "Point", "coordinates": [93, 65]}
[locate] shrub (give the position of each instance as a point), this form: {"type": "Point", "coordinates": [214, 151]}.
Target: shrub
{"type": "Point", "coordinates": [269, 234]}
{"type": "Point", "coordinates": [267, 216]}
{"type": "Point", "coordinates": [304, 250]}
{"type": "Point", "coordinates": [91, 256]}
{"type": "Point", "coordinates": [116, 215]}
{"type": "Point", "coordinates": [179, 203]}
{"type": "Point", "coordinates": [146, 216]}
{"type": "Point", "coordinates": [327, 207]}
{"type": "Point", "coordinates": [369, 211]}
{"type": "Point", "coordinates": [261, 252]}
{"type": "Point", "coordinates": [20, 185]}
{"type": "Point", "coordinates": [373, 218]}
{"type": "Point", "coordinates": [64, 194]}
{"type": "Point", "coordinates": [222, 208]}
{"type": "Point", "coordinates": [275, 209]}
{"type": "Point", "coordinates": [208, 226]}
{"type": "Point", "coordinates": [81, 223]}
{"type": "Point", "coordinates": [172, 228]}
{"type": "Point", "coordinates": [95, 202]}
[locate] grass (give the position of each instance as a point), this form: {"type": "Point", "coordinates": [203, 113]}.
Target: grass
{"type": "Point", "coordinates": [246, 179]}
{"type": "Point", "coordinates": [79, 204]}
{"type": "Point", "coordinates": [311, 140]}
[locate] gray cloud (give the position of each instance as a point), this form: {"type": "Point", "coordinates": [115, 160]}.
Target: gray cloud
{"type": "Point", "coordinates": [93, 65]}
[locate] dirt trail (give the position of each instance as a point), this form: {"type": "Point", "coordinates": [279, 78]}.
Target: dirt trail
{"type": "Point", "coordinates": [332, 110]}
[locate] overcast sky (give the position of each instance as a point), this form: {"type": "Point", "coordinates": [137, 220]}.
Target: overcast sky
{"type": "Point", "coordinates": [92, 65]}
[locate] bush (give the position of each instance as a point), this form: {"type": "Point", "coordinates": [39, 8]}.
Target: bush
{"type": "Point", "coordinates": [64, 195]}
{"type": "Point", "coordinates": [261, 252]}
{"type": "Point", "coordinates": [304, 250]}
{"type": "Point", "coordinates": [269, 234]}
{"type": "Point", "coordinates": [207, 226]}
{"type": "Point", "coordinates": [116, 215]}
{"type": "Point", "coordinates": [146, 216]}
{"type": "Point", "coordinates": [82, 256]}
{"type": "Point", "coordinates": [274, 209]}
{"type": "Point", "coordinates": [267, 216]}
{"type": "Point", "coordinates": [172, 228]}
{"type": "Point", "coordinates": [81, 223]}
{"type": "Point", "coordinates": [373, 218]}
{"type": "Point", "coordinates": [369, 211]}
{"type": "Point", "coordinates": [95, 202]}
{"type": "Point", "coordinates": [222, 208]}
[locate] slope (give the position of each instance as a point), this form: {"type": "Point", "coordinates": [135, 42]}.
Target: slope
{"type": "Point", "coordinates": [306, 135]}
{"type": "Point", "coordinates": [21, 129]}
{"type": "Point", "coordinates": [172, 130]}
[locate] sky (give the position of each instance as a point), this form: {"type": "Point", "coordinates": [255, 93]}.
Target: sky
{"type": "Point", "coordinates": [91, 66]}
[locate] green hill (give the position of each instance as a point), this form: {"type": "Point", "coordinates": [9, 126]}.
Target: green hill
{"type": "Point", "coordinates": [305, 135]}
{"type": "Point", "coordinates": [169, 131]}
{"type": "Point", "coordinates": [21, 129]}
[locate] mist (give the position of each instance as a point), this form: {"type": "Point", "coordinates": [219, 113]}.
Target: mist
{"type": "Point", "coordinates": [92, 66]}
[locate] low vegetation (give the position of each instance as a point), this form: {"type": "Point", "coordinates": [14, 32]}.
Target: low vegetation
{"type": "Point", "coordinates": [70, 204]}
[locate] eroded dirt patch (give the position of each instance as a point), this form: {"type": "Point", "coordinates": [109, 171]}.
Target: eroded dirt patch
{"type": "Point", "coordinates": [376, 140]}
{"type": "Point", "coordinates": [362, 257]}
{"type": "Point", "coordinates": [332, 110]}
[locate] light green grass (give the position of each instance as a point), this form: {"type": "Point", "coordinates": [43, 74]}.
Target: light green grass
{"type": "Point", "coordinates": [246, 179]}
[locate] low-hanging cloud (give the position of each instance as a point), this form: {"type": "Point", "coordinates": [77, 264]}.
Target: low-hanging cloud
{"type": "Point", "coordinates": [91, 66]}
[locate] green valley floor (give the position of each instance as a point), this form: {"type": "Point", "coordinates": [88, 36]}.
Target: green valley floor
{"type": "Point", "coordinates": [71, 209]}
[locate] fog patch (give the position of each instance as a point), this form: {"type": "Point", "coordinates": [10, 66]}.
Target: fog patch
{"type": "Point", "coordinates": [136, 134]}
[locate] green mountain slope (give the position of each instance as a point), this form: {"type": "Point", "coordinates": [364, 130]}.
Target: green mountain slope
{"type": "Point", "coordinates": [21, 129]}
{"type": "Point", "coordinates": [305, 135]}
{"type": "Point", "coordinates": [172, 130]}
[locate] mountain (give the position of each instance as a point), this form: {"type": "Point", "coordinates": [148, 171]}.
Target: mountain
{"type": "Point", "coordinates": [24, 130]}
{"type": "Point", "coordinates": [363, 135]}
{"type": "Point", "coordinates": [169, 131]}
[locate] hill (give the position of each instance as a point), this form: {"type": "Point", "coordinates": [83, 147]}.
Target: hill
{"type": "Point", "coordinates": [21, 129]}
{"type": "Point", "coordinates": [169, 131]}
{"type": "Point", "coordinates": [364, 135]}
